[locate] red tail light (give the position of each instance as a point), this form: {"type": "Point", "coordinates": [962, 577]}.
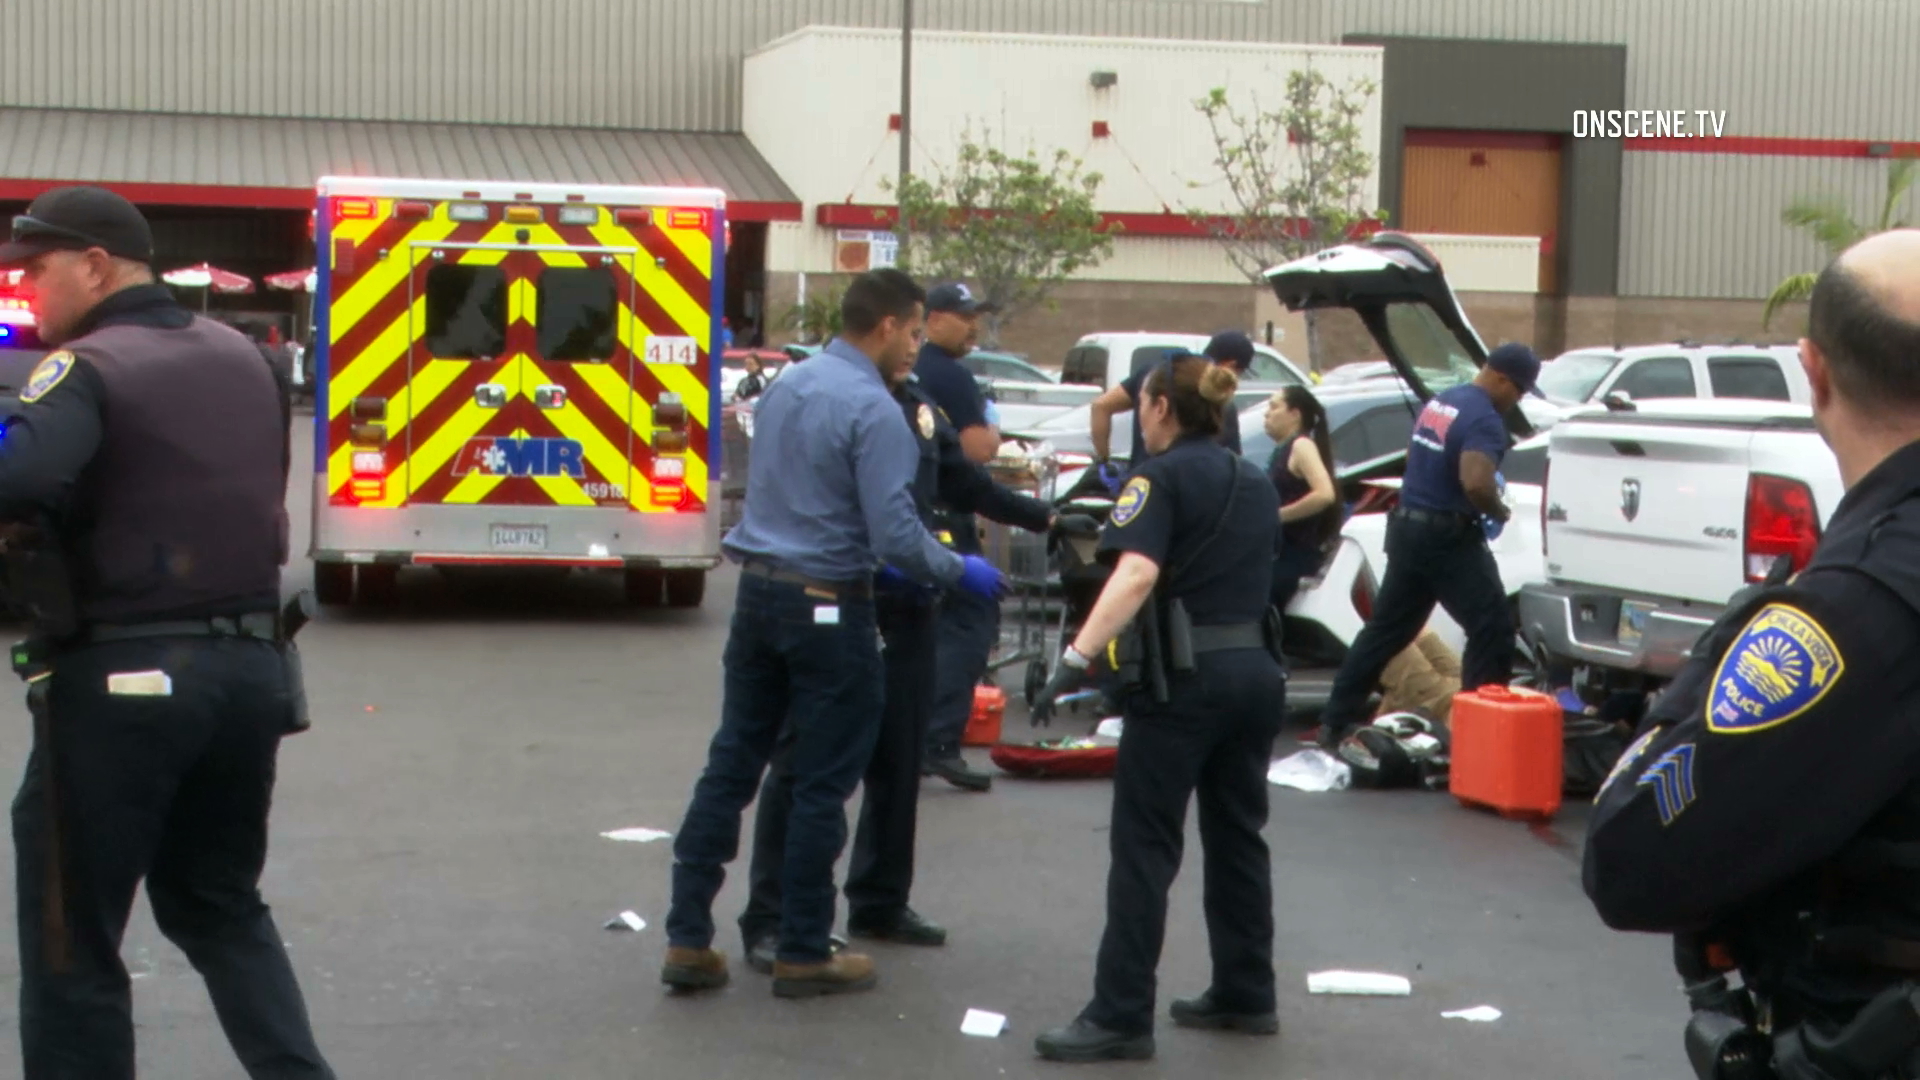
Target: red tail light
{"type": "Point", "coordinates": [687, 219]}
{"type": "Point", "coordinates": [1781, 520]}
{"type": "Point", "coordinates": [344, 209]}
{"type": "Point", "coordinates": [369, 480]}
{"type": "Point", "coordinates": [1362, 596]}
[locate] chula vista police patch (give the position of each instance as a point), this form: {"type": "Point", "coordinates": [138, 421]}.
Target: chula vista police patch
{"type": "Point", "coordinates": [1779, 668]}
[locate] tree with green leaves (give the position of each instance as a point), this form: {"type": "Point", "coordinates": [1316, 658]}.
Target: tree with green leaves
{"type": "Point", "coordinates": [817, 318]}
{"type": "Point", "coordinates": [1012, 226]}
{"type": "Point", "coordinates": [1295, 174]}
{"type": "Point", "coordinates": [1829, 220]}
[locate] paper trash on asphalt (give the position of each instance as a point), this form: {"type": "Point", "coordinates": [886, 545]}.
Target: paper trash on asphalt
{"type": "Point", "coordinates": [1108, 733]}
{"type": "Point", "coordinates": [988, 1025]}
{"type": "Point", "coordinates": [1311, 770]}
{"type": "Point", "coordinates": [1365, 983]}
{"type": "Point", "coordinates": [626, 920]}
{"type": "Point", "coordinates": [637, 836]}
{"type": "Point", "coordinates": [1480, 1013]}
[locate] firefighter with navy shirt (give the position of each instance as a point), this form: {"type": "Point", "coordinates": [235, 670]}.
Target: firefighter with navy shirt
{"type": "Point", "coordinates": [1437, 540]}
{"type": "Point", "coordinates": [880, 872]}
{"type": "Point", "coordinates": [150, 452]}
{"type": "Point", "coordinates": [1191, 540]}
{"type": "Point", "coordinates": [1768, 816]}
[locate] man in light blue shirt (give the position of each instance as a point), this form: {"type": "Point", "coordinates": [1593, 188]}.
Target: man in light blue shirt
{"type": "Point", "coordinates": [828, 500]}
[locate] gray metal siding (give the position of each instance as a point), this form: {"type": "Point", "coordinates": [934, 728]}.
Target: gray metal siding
{"type": "Point", "coordinates": [1778, 67]}
{"type": "Point", "coordinates": [1698, 225]}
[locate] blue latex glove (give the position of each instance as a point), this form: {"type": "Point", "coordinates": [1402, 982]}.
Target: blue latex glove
{"type": "Point", "coordinates": [1500, 483]}
{"type": "Point", "coordinates": [1493, 528]}
{"type": "Point", "coordinates": [888, 576]}
{"type": "Point", "coordinates": [982, 578]}
{"type": "Point", "coordinates": [993, 415]}
{"type": "Point", "coordinates": [1111, 477]}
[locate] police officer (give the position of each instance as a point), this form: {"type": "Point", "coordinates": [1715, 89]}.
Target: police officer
{"type": "Point", "coordinates": [968, 627]}
{"type": "Point", "coordinates": [829, 497]}
{"type": "Point", "coordinates": [1437, 540]}
{"type": "Point", "coordinates": [880, 876]}
{"type": "Point", "coordinates": [161, 704]}
{"type": "Point", "coordinates": [1230, 349]}
{"type": "Point", "coordinates": [1191, 541]}
{"type": "Point", "coordinates": [1769, 813]}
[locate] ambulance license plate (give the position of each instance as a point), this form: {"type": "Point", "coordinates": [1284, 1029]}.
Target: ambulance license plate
{"type": "Point", "coordinates": [519, 538]}
{"type": "Point", "coordinates": [1633, 622]}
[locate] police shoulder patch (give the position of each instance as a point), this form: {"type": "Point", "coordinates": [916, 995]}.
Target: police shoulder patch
{"type": "Point", "coordinates": [1132, 498]}
{"type": "Point", "coordinates": [925, 419]}
{"type": "Point", "coordinates": [46, 376]}
{"type": "Point", "coordinates": [1627, 758]}
{"type": "Point", "coordinates": [1779, 668]}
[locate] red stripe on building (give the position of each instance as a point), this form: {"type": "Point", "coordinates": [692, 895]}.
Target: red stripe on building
{"type": "Point", "coordinates": [236, 197]}
{"type": "Point", "coordinates": [1768, 146]}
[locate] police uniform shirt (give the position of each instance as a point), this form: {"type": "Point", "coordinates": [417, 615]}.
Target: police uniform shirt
{"type": "Point", "coordinates": [948, 481]}
{"type": "Point", "coordinates": [1454, 422]}
{"type": "Point", "coordinates": [1168, 508]}
{"type": "Point", "coordinates": [1229, 419]}
{"type": "Point", "coordinates": [830, 476]}
{"type": "Point", "coordinates": [1793, 728]}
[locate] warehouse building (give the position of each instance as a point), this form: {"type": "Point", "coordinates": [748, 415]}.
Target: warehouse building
{"type": "Point", "coordinates": [218, 114]}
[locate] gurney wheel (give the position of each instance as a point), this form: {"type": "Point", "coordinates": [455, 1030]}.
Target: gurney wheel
{"type": "Point", "coordinates": [1036, 681]}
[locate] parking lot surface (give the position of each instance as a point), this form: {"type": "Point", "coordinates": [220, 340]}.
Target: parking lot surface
{"type": "Point", "coordinates": [438, 872]}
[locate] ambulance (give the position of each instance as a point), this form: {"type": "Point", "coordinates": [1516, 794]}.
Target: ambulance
{"type": "Point", "coordinates": [516, 375]}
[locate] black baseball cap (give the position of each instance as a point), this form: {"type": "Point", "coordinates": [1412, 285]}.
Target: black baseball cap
{"type": "Point", "coordinates": [78, 218]}
{"type": "Point", "coordinates": [1231, 346]}
{"type": "Point", "coordinates": [1518, 363]}
{"type": "Point", "coordinates": [955, 298]}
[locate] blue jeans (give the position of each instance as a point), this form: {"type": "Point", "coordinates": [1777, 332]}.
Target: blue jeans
{"type": "Point", "coordinates": [783, 666]}
{"type": "Point", "coordinates": [969, 628]}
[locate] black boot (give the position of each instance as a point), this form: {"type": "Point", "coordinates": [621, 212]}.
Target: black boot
{"type": "Point", "coordinates": [1085, 1041]}
{"type": "Point", "coordinates": [951, 767]}
{"type": "Point", "coordinates": [1204, 1012]}
{"type": "Point", "coordinates": [908, 927]}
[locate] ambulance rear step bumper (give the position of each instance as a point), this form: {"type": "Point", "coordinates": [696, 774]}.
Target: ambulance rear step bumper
{"type": "Point", "coordinates": [428, 558]}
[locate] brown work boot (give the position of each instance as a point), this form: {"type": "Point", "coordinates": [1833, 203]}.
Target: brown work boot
{"type": "Point", "coordinates": [694, 969]}
{"type": "Point", "coordinates": [844, 974]}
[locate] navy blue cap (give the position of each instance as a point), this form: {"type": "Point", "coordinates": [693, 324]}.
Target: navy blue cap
{"type": "Point", "coordinates": [1231, 346]}
{"type": "Point", "coordinates": [1518, 364]}
{"type": "Point", "coordinates": [955, 298]}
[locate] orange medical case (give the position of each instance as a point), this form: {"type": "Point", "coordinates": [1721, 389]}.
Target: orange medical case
{"type": "Point", "coordinates": [1507, 753]}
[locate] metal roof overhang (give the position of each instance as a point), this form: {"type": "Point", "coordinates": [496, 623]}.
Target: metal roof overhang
{"type": "Point", "coordinates": [255, 162]}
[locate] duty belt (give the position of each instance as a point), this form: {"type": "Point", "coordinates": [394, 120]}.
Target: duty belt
{"type": "Point", "coordinates": [1433, 517]}
{"type": "Point", "coordinates": [259, 624]}
{"type": "Point", "coordinates": [850, 590]}
{"type": "Point", "coordinates": [1208, 639]}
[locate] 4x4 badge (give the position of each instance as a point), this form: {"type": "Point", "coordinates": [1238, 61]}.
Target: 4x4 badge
{"type": "Point", "coordinates": [1630, 498]}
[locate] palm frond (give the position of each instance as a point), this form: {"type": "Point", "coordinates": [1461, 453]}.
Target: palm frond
{"type": "Point", "coordinates": [1828, 219]}
{"type": "Point", "coordinates": [1794, 288]}
{"type": "Point", "coordinates": [1901, 176]}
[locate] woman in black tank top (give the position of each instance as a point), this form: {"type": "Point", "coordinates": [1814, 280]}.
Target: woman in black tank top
{"type": "Point", "coordinates": [1310, 512]}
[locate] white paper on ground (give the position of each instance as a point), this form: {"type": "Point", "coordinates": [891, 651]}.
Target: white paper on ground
{"type": "Point", "coordinates": [1109, 728]}
{"type": "Point", "coordinates": [627, 920]}
{"type": "Point", "coordinates": [1311, 770]}
{"type": "Point", "coordinates": [1480, 1013]}
{"type": "Point", "coordinates": [638, 836]}
{"type": "Point", "coordinates": [990, 1025]}
{"type": "Point", "coordinates": [1369, 983]}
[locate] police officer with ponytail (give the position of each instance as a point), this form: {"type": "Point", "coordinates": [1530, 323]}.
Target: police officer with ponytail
{"type": "Point", "coordinates": [1191, 541]}
{"type": "Point", "coordinates": [150, 450]}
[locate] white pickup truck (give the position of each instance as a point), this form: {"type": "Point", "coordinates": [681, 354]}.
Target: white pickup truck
{"type": "Point", "coordinates": [1655, 513]}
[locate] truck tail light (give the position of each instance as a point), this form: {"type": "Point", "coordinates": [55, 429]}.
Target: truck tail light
{"type": "Point", "coordinates": [634, 217]}
{"type": "Point", "coordinates": [687, 219]}
{"type": "Point", "coordinates": [369, 480]}
{"type": "Point", "coordinates": [412, 210]}
{"type": "Point", "coordinates": [670, 413]}
{"type": "Point", "coordinates": [1781, 520]}
{"type": "Point", "coordinates": [348, 209]}
{"type": "Point", "coordinates": [1362, 596]}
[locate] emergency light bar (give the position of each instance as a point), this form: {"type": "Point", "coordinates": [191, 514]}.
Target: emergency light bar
{"type": "Point", "coordinates": [468, 212]}
{"type": "Point", "coordinates": [687, 219]}
{"type": "Point", "coordinates": [524, 214]}
{"type": "Point", "coordinates": [352, 209]}
{"type": "Point", "coordinates": [633, 216]}
{"type": "Point", "coordinates": [579, 215]}
{"type": "Point", "coordinates": [413, 211]}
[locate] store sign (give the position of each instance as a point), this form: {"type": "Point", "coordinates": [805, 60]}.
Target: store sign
{"type": "Point", "coordinates": [857, 251]}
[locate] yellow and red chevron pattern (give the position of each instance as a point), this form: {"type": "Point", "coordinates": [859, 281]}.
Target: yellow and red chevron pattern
{"type": "Point", "coordinates": [376, 349]}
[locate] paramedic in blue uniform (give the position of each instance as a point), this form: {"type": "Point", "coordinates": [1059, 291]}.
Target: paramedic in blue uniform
{"type": "Point", "coordinates": [829, 497]}
{"type": "Point", "coordinates": [880, 875]}
{"type": "Point", "coordinates": [1770, 810]}
{"type": "Point", "coordinates": [159, 713]}
{"type": "Point", "coordinates": [1230, 349]}
{"type": "Point", "coordinates": [1196, 524]}
{"type": "Point", "coordinates": [1437, 548]}
{"type": "Point", "coordinates": [969, 626]}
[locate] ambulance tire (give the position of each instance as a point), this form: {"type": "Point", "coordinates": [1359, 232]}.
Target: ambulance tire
{"type": "Point", "coordinates": [333, 583]}
{"type": "Point", "coordinates": [644, 587]}
{"type": "Point", "coordinates": [379, 585]}
{"type": "Point", "coordinates": [686, 588]}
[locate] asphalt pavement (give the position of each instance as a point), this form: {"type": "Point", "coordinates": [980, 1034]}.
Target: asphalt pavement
{"type": "Point", "coordinates": [438, 872]}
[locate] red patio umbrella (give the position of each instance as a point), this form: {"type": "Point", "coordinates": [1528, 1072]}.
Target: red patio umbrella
{"type": "Point", "coordinates": [292, 280]}
{"type": "Point", "coordinates": [205, 276]}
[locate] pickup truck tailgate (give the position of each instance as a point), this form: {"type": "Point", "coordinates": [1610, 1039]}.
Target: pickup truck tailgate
{"type": "Point", "coordinates": [1649, 509]}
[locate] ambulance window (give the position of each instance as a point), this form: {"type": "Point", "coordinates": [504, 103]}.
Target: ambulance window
{"type": "Point", "coordinates": [466, 312]}
{"type": "Point", "coordinates": [577, 311]}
